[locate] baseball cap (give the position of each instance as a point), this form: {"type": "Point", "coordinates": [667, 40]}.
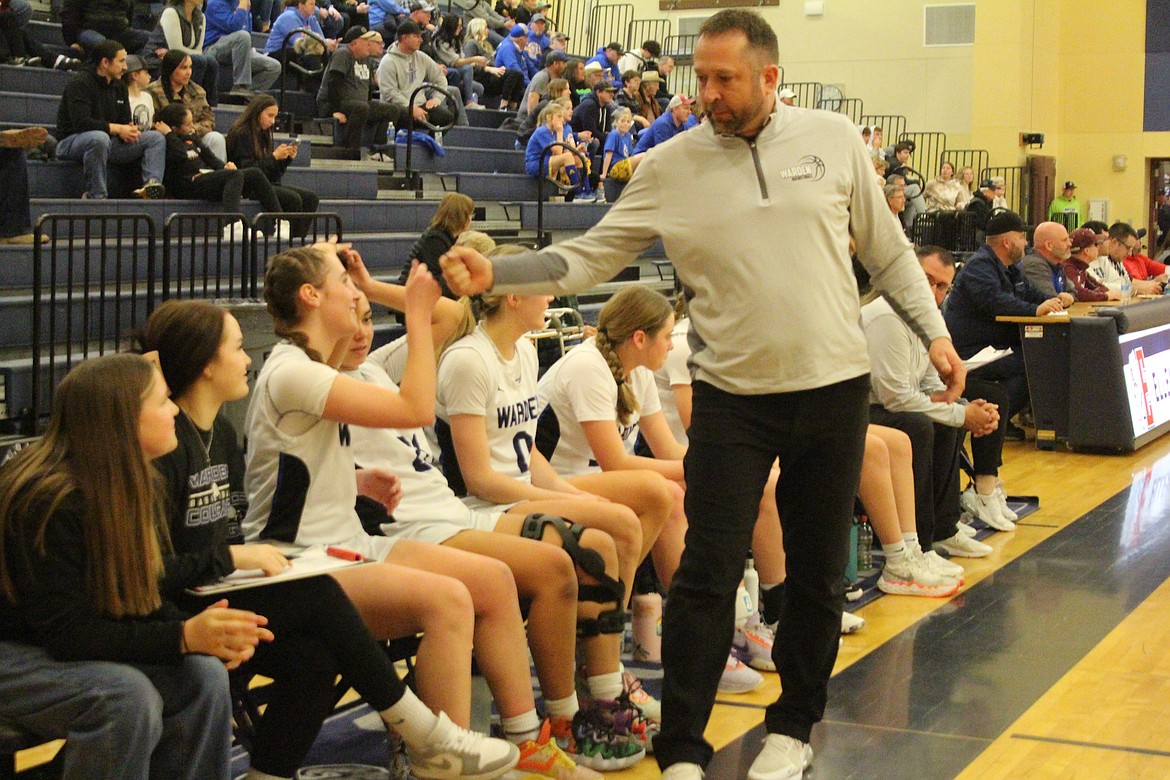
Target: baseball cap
{"type": "Point", "coordinates": [651, 77]}
{"type": "Point", "coordinates": [555, 56]}
{"type": "Point", "coordinates": [785, 93]}
{"type": "Point", "coordinates": [1068, 185]}
{"type": "Point", "coordinates": [1005, 222]}
{"type": "Point", "coordinates": [538, 18]}
{"type": "Point", "coordinates": [616, 47]}
{"type": "Point", "coordinates": [357, 31]}
{"type": "Point", "coordinates": [560, 37]}
{"type": "Point", "coordinates": [605, 86]}
{"type": "Point", "coordinates": [134, 63]}
{"type": "Point", "coordinates": [1082, 239]}
{"type": "Point", "coordinates": [679, 100]}
{"type": "Point", "coordinates": [987, 184]}
{"type": "Point", "coordinates": [409, 27]}
{"type": "Point", "coordinates": [592, 66]}
{"type": "Point", "coordinates": [542, 5]}
{"type": "Point", "coordinates": [518, 31]}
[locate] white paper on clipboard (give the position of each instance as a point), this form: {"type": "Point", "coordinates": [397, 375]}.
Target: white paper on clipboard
{"type": "Point", "coordinates": [308, 564]}
{"type": "Point", "coordinates": [985, 356]}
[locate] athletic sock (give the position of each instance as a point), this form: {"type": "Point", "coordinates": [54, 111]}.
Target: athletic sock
{"type": "Point", "coordinates": [605, 686]}
{"type": "Point", "coordinates": [562, 708]}
{"type": "Point", "coordinates": [894, 552]}
{"type": "Point", "coordinates": [771, 601]}
{"type": "Point", "coordinates": [412, 719]}
{"type": "Point", "coordinates": [521, 728]}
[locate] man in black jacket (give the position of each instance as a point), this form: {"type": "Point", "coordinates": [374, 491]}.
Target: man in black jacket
{"type": "Point", "coordinates": [87, 22]}
{"type": "Point", "coordinates": [980, 204]}
{"type": "Point", "coordinates": [594, 114]}
{"type": "Point", "coordinates": [95, 128]}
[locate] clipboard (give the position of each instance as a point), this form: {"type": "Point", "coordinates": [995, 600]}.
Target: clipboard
{"type": "Point", "coordinates": [311, 563]}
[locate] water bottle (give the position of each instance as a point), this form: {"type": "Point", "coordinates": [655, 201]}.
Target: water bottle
{"type": "Point", "coordinates": [1126, 289]}
{"type": "Point", "coordinates": [864, 546]}
{"type": "Point", "coordinates": [743, 606]}
{"type": "Point", "coordinates": [751, 581]}
{"type": "Point", "coordinates": [648, 627]}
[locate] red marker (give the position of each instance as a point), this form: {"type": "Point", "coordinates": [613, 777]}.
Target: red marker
{"type": "Point", "coordinates": [345, 555]}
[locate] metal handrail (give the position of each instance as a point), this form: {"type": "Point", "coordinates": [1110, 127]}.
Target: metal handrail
{"type": "Point", "coordinates": [284, 62]}
{"type": "Point", "coordinates": [411, 121]}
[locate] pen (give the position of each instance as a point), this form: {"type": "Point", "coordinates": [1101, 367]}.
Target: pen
{"type": "Point", "coordinates": [345, 555]}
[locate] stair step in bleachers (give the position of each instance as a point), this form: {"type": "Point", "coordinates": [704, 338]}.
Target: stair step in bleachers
{"type": "Point", "coordinates": [480, 138]}
{"type": "Point", "coordinates": [36, 81]}
{"type": "Point", "coordinates": [493, 186]}
{"type": "Point", "coordinates": [46, 32]}
{"type": "Point", "coordinates": [62, 179]}
{"type": "Point", "coordinates": [461, 159]}
{"type": "Point", "coordinates": [562, 216]}
{"type": "Point", "coordinates": [487, 118]}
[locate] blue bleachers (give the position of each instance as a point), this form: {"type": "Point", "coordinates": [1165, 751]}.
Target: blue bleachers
{"type": "Point", "coordinates": [462, 159]}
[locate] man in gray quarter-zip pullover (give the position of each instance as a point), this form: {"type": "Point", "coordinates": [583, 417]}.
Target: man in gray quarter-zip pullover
{"type": "Point", "coordinates": [755, 209]}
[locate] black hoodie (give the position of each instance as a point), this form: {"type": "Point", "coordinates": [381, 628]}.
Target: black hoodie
{"type": "Point", "coordinates": [92, 102]}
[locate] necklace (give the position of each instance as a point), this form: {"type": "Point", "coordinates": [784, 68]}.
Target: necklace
{"type": "Point", "coordinates": [206, 446]}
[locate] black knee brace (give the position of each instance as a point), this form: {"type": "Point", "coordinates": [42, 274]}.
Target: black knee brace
{"type": "Point", "coordinates": [606, 591]}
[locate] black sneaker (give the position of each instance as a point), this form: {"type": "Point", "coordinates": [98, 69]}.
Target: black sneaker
{"type": "Point", "coordinates": [152, 190]}
{"type": "Point", "coordinates": [1013, 433]}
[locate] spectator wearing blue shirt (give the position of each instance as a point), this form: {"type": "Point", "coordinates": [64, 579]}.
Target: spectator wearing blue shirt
{"type": "Point", "coordinates": [301, 15]}
{"type": "Point", "coordinates": [607, 57]}
{"type": "Point", "coordinates": [667, 126]}
{"type": "Point", "coordinates": [228, 40]}
{"type": "Point", "coordinates": [619, 146]}
{"type": "Point", "coordinates": [551, 129]}
{"type": "Point", "coordinates": [385, 16]}
{"type": "Point", "coordinates": [513, 54]}
{"type": "Point", "coordinates": [538, 33]}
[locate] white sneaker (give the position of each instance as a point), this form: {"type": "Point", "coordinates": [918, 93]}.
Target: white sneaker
{"type": "Point", "coordinates": [283, 230]}
{"type": "Point", "coordinates": [985, 508]}
{"type": "Point", "coordinates": [912, 577]}
{"type": "Point", "coordinates": [452, 752]}
{"type": "Point", "coordinates": [738, 678]}
{"type": "Point", "coordinates": [850, 623]}
{"type": "Point", "coordinates": [962, 546]}
{"type": "Point", "coordinates": [753, 644]}
{"type": "Point", "coordinates": [1004, 509]}
{"type": "Point", "coordinates": [783, 758]}
{"type": "Point", "coordinates": [940, 565]}
{"type": "Point", "coordinates": [683, 771]}
{"type": "Point", "coordinates": [966, 530]}
{"type": "Point", "coordinates": [233, 231]}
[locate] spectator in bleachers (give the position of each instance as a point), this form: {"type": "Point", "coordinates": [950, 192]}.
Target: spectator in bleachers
{"type": "Point", "coordinates": [558, 89]}
{"type": "Point", "coordinates": [524, 12]}
{"type": "Point", "coordinates": [555, 64]}
{"type": "Point", "coordinates": [95, 128]}
{"type": "Point", "coordinates": [992, 285]}
{"type": "Point", "coordinates": [575, 75]}
{"type": "Point", "coordinates": [980, 205]}
{"type": "Point", "coordinates": [496, 26]}
{"type": "Point", "coordinates": [1066, 208]}
{"type": "Point", "coordinates": [137, 79]}
{"type": "Point", "coordinates": [966, 177]}
{"type": "Point", "coordinates": [900, 165]}
{"type": "Point", "coordinates": [447, 50]}
{"type": "Point", "coordinates": [300, 16]}
{"type": "Point", "coordinates": [672, 122]}
{"type": "Point", "coordinates": [174, 85]}
{"type": "Point", "coordinates": [551, 130]}
{"type": "Point", "coordinates": [1044, 266]}
{"type": "Point", "coordinates": [334, 22]}
{"type": "Point", "coordinates": [560, 42]}
{"type": "Point", "coordinates": [21, 48]}
{"type": "Point", "coordinates": [385, 16]}
{"type": "Point", "coordinates": [1000, 200]}
{"type": "Point", "coordinates": [665, 67]}
{"type": "Point", "coordinates": [880, 166]}
{"type": "Point", "coordinates": [619, 148]}
{"type": "Point", "coordinates": [347, 86]}
{"type": "Point", "coordinates": [87, 22]}
{"type": "Point", "coordinates": [513, 54]}
{"type": "Point", "coordinates": [250, 145]}
{"type": "Point", "coordinates": [1084, 252]}
{"type": "Point", "coordinates": [895, 199]}
{"type": "Point", "coordinates": [629, 96]}
{"type": "Point", "coordinates": [507, 9]}
{"type": "Point", "coordinates": [607, 57]}
{"type": "Point", "coordinates": [945, 192]}
{"type": "Point", "coordinates": [15, 216]}
{"type": "Point", "coordinates": [405, 68]}
{"type": "Point", "coordinates": [587, 192]}
{"type": "Point", "coordinates": [538, 33]}
{"type": "Point", "coordinates": [452, 219]}
{"type": "Point", "coordinates": [228, 40]}
{"type": "Point", "coordinates": [646, 58]}
{"type": "Point", "coordinates": [875, 143]}
{"type": "Point", "coordinates": [181, 27]}
{"type": "Point", "coordinates": [193, 172]}
{"type": "Point", "coordinates": [498, 86]}
{"type": "Point", "coordinates": [786, 96]}
{"type": "Point", "coordinates": [593, 117]}
{"type": "Point", "coordinates": [902, 386]}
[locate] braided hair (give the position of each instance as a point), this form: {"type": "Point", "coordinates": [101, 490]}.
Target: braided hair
{"type": "Point", "coordinates": [283, 278]}
{"type": "Point", "coordinates": [635, 308]}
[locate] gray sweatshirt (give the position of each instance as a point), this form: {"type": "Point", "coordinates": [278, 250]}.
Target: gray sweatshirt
{"type": "Point", "coordinates": [399, 74]}
{"type": "Point", "coordinates": [759, 233]}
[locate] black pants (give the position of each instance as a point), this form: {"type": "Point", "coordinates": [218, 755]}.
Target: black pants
{"type": "Point", "coordinates": [936, 471]}
{"type": "Point", "coordinates": [987, 451]}
{"type": "Point", "coordinates": [1009, 373]}
{"type": "Point", "coordinates": [297, 199]}
{"type": "Point", "coordinates": [819, 437]}
{"type": "Point", "coordinates": [230, 187]}
{"type": "Point", "coordinates": [359, 113]}
{"type": "Point", "coordinates": [319, 634]}
{"type": "Point", "coordinates": [15, 217]}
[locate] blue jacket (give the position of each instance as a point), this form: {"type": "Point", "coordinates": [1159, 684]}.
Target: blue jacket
{"type": "Point", "coordinates": [986, 289]}
{"type": "Point", "coordinates": [615, 75]}
{"type": "Point", "coordinates": [541, 137]}
{"type": "Point", "coordinates": [660, 130]}
{"type": "Point", "coordinates": [287, 22]}
{"type": "Point", "coordinates": [380, 9]}
{"type": "Point", "coordinates": [223, 17]}
{"type": "Point", "coordinates": [508, 56]}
